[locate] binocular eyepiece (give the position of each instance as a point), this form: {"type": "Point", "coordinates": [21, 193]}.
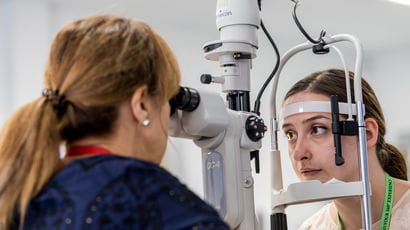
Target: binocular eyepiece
{"type": "Point", "coordinates": [187, 99]}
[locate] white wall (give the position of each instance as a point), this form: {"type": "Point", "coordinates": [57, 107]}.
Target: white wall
{"type": "Point", "coordinates": [5, 62]}
{"type": "Point", "coordinates": [27, 28]}
{"type": "Point", "coordinates": [24, 32]}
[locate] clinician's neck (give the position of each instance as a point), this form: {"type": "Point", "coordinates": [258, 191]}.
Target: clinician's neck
{"type": "Point", "coordinates": [349, 209]}
{"type": "Point", "coordinates": [109, 143]}
{"type": "Point", "coordinates": [126, 139]}
{"type": "Point", "coordinates": [120, 143]}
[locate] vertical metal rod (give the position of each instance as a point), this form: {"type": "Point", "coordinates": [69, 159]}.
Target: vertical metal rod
{"type": "Point", "coordinates": [364, 170]}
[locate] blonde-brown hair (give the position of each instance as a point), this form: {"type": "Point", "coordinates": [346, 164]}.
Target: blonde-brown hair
{"type": "Point", "coordinates": [332, 82]}
{"type": "Point", "coordinates": [95, 64]}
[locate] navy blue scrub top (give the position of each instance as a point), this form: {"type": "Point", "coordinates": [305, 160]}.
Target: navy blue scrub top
{"type": "Point", "coordinates": [114, 192]}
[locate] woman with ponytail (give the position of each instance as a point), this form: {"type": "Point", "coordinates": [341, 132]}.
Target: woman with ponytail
{"type": "Point", "coordinates": [107, 86]}
{"type": "Point", "coordinates": [311, 150]}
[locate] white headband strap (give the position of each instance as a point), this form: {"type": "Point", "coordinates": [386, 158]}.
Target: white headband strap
{"type": "Point", "coordinates": [315, 106]}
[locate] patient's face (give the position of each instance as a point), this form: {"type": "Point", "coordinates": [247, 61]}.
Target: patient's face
{"type": "Point", "coordinates": [310, 144]}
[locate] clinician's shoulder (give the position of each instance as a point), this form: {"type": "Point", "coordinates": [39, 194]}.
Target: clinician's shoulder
{"type": "Point", "coordinates": [177, 205]}
{"type": "Point", "coordinates": [114, 166]}
{"type": "Point", "coordinates": [165, 200]}
{"type": "Point", "coordinates": [92, 192]}
{"type": "Point", "coordinates": [140, 176]}
{"type": "Point", "coordinates": [158, 198]}
{"type": "Point", "coordinates": [321, 220]}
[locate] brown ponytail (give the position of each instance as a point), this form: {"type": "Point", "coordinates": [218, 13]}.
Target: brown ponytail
{"type": "Point", "coordinates": [390, 157]}
{"type": "Point", "coordinates": [332, 82]}
{"type": "Point", "coordinates": [25, 160]}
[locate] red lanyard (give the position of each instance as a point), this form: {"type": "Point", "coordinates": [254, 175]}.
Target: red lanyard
{"type": "Point", "coordinates": [86, 150]}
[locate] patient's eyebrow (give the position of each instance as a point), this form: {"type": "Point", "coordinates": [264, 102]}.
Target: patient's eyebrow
{"type": "Point", "coordinates": [315, 118]}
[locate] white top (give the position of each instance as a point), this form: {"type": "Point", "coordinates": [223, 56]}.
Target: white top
{"type": "Point", "coordinates": [400, 220]}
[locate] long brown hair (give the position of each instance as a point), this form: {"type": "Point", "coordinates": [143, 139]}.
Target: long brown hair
{"type": "Point", "coordinates": [95, 64]}
{"type": "Point", "coordinates": [332, 82]}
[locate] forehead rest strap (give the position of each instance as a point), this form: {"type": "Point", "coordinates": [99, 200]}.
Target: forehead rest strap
{"type": "Point", "coordinates": [315, 106]}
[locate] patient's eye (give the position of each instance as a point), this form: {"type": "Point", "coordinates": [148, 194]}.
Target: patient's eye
{"type": "Point", "coordinates": [319, 130]}
{"type": "Point", "coordinates": [291, 135]}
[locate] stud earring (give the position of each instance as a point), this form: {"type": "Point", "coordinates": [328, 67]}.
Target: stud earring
{"type": "Point", "coordinates": [146, 122]}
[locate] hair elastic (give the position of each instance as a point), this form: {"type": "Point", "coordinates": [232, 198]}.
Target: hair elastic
{"type": "Point", "coordinates": [58, 101]}
{"type": "Point", "coordinates": [50, 94]}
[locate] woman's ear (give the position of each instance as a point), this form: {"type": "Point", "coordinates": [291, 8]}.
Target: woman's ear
{"type": "Point", "coordinates": [372, 132]}
{"type": "Point", "coordinates": [138, 103]}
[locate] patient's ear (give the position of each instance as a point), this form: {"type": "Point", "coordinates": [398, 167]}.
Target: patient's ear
{"type": "Point", "coordinates": [139, 104]}
{"type": "Point", "coordinates": [372, 132]}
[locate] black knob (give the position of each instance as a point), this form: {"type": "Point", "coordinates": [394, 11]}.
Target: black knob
{"type": "Point", "coordinates": [320, 48]}
{"type": "Point", "coordinates": [255, 128]}
{"type": "Point", "coordinates": [206, 78]}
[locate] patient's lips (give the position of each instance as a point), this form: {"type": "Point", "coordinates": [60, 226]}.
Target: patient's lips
{"type": "Point", "coordinates": [310, 172]}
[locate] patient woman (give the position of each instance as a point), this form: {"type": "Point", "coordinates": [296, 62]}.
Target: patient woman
{"type": "Point", "coordinates": [311, 149]}
{"type": "Point", "coordinates": [107, 86]}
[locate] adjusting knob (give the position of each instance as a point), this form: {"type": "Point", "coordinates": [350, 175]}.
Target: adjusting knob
{"type": "Point", "coordinates": [255, 128]}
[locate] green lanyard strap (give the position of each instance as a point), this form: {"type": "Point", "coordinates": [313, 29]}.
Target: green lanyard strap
{"type": "Point", "coordinates": [387, 206]}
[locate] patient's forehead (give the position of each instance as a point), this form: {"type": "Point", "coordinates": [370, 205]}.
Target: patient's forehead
{"type": "Point", "coordinates": [305, 96]}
